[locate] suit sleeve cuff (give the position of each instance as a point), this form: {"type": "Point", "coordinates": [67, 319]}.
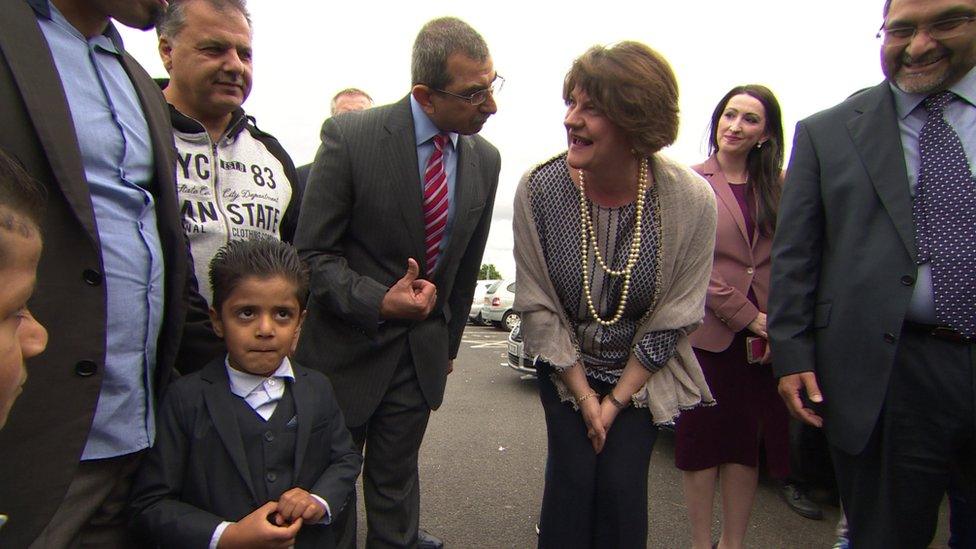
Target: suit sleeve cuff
{"type": "Point", "coordinates": [741, 319]}
{"type": "Point", "coordinates": [327, 517]}
{"type": "Point", "coordinates": [218, 531]}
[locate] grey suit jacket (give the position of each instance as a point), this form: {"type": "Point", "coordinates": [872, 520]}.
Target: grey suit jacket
{"type": "Point", "coordinates": [361, 219]}
{"type": "Point", "coordinates": [843, 260]}
{"type": "Point", "coordinates": [48, 427]}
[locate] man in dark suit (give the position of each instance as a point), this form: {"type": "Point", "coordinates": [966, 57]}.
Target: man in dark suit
{"type": "Point", "coordinates": [874, 281]}
{"type": "Point", "coordinates": [89, 124]}
{"type": "Point", "coordinates": [386, 339]}
{"type": "Point", "coordinates": [347, 100]}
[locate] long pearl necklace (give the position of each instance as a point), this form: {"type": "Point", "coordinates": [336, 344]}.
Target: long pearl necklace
{"type": "Point", "coordinates": [588, 238]}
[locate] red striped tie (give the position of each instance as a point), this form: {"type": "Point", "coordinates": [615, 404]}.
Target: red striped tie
{"type": "Point", "coordinates": [435, 201]}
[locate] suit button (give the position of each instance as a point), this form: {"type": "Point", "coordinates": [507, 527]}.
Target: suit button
{"type": "Point", "coordinates": [750, 270]}
{"type": "Point", "coordinates": [268, 436]}
{"type": "Point", "coordinates": [889, 337]}
{"type": "Point", "coordinates": [92, 277]}
{"type": "Point", "coordinates": [86, 368]}
{"type": "Point", "coordinates": [271, 477]}
{"type": "Point", "coordinates": [908, 280]}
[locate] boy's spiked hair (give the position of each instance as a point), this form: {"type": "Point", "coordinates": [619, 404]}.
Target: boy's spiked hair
{"type": "Point", "coordinates": [261, 258]}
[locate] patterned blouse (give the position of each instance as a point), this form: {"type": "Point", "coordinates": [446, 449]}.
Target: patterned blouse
{"type": "Point", "coordinates": [604, 350]}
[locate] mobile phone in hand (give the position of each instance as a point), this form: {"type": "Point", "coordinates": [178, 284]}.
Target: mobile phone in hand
{"type": "Point", "coordinates": [755, 349]}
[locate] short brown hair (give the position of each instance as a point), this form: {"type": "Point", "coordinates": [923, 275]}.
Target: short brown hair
{"type": "Point", "coordinates": [437, 40]}
{"type": "Point", "coordinates": [636, 89]}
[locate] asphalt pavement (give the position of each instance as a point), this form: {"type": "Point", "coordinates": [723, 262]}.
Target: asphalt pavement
{"type": "Point", "coordinates": [482, 461]}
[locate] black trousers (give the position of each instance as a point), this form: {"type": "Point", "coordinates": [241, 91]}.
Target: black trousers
{"type": "Point", "coordinates": [594, 500]}
{"type": "Point", "coordinates": [923, 443]}
{"type": "Point", "coordinates": [391, 482]}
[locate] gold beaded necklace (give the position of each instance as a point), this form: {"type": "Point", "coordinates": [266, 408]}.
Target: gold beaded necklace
{"type": "Point", "coordinates": [588, 238]}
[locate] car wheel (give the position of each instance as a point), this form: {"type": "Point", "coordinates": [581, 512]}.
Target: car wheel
{"type": "Point", "coordinates": [510, 320]}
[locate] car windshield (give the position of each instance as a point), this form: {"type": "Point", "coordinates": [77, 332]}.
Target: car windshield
{"type": "Point", "coordinates": [494, 286]}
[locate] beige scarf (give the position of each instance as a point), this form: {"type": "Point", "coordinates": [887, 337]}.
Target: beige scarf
{"type": "Point", "coordinates": [687, 218]}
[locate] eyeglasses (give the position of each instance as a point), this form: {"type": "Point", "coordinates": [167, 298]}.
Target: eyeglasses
{"type": "Point", "coordinates": [940, 30]}
{"type": "Point", "coordinates": [479, 96]}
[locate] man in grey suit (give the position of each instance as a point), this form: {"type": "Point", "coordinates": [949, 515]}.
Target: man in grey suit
{"type": "Point", "coordinates": [874, 278]}
{"type": "Point", "coordinates": [394, 248]}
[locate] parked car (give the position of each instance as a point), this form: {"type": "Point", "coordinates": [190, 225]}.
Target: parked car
{"type": "Point", "coordinates": [480, 289]}
{"type": "Point", "coordinates": [516, 358]}
{"type": "Point", "coordinates": [497, 307]}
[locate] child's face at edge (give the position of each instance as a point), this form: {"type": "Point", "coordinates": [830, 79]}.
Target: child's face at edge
{"type": "Point", "coordinates": [21, 336]}
{"type": "Point", "coordinates": [259, 322]}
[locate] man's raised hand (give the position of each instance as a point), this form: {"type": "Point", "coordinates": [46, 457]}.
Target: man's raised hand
{"type": "Point", "coordinates": [410, 298]}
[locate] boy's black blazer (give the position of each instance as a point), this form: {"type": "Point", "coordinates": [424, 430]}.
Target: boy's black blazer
{"type": "Point", "coordinates": [197, 475]}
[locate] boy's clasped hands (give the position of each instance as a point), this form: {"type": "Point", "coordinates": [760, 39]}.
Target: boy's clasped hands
{"type": "Point", "coordinates": [274, 524]}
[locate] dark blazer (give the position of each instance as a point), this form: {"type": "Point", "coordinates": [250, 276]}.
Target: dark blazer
{"type": "Point", "coordinates": [44, 438]}
{"type": "Point", "coordinates": [361, 218]}
{"type": "Point", "coordinates": [844, 260]}
{"type": "Point", "coordinates": [301, 173]}
{"type": "Point", "coordinates": [197, 474]}
{"type": "Point", "coordinates": [739, 264]}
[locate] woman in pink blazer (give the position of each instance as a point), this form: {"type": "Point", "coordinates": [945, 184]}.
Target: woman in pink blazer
{"type": "Point", "coordinates": [723, 442]}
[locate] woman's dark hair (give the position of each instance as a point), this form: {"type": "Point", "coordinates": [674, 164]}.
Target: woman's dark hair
{"type": "Point", "coordinates": [765, 164]}
{"type": "Point", "coordinates": [636, 89]}
{"type": "Point", "coordinates": [261, 258]}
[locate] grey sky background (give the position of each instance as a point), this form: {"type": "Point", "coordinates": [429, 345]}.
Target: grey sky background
{"type": "Point", "coordinates": [811, 54]}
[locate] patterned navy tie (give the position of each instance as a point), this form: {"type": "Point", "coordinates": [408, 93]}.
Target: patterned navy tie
{"type": "Point", "coordinates": [945, 218]}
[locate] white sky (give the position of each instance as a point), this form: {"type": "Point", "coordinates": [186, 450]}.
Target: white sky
{"type": "Point", "coordinates": [812, 54]}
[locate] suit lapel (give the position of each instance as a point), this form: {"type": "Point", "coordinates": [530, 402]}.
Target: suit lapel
{"type": "Point", "coordinates": [726, 196]}
{"type": "Point", "coordinates": [220, 405]}
{"type": "Point", "coordinates": [404, 175]}
{"type": "Point", "coordinates": [34, 72]}
{"type": "Point", "coordinates": [304, 405]}
{"type": "Point", "coordinates": [875, 133]}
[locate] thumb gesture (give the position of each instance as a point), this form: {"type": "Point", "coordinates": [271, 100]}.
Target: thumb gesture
{"type": "Point", "coordinates": [409, 298]}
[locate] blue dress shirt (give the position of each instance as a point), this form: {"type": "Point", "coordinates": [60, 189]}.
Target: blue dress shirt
{"type": "Point", "coordinates": [961, 115]}
{"type": "Point", "coordinates": [424, 131]}
{"type": "Point", "coordinates": [117, 155]}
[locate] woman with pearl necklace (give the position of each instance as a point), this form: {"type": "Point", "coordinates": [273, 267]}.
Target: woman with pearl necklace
{"type": "Point", "coordinates": [613, 252]}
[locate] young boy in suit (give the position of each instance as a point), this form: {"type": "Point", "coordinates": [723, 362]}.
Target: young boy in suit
{"type": "Point", "coordinates": [21, 337]}
{"type": "Point", "coordinates": [252, 450]}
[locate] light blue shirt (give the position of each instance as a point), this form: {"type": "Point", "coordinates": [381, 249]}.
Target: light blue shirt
{"type": "Point", "coordinates": [424, 131]}
{"type": "Point", "coordinates": [961, 115]}
{"type": "Point", "coordinates": [117, 155]}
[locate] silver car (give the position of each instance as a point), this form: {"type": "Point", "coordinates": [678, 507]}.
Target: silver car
{"type": "Point", "coordinates": [480, 289]}
{"type": "Point", "coordinates": [516, 358]}
{"type": "Point", "coordinates": [498, 303]}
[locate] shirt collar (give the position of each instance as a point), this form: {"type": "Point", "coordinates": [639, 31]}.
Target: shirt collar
{"type": "Point", "coordinates": [46, 10]}
{"type": "Point", "coordinates": [906, 102]}
{"type": "Point", "coordinates": [243, 383]}
{"type": "Point", "coordinates": [423, 128]}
